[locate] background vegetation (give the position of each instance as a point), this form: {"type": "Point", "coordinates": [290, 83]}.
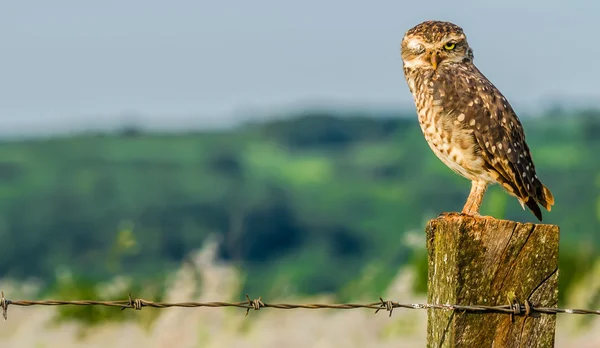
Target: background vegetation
{"type": "Point", "coordinates": [316, 202]}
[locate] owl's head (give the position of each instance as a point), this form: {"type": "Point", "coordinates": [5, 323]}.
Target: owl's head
{"type": "Point", "coordinates": [435, 43]}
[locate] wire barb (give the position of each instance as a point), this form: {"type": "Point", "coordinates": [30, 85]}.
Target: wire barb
{"type": "Point", "coordinates": [527, 308]}
{"type": "Point", "coordinates": [387, 305]}
{"type": "Point", "coordinates": [136, 304]}
{"type": "Point", "coordinates": [255, 304]}
{"type": "Point", "coordinates": [512, 302]}
{"type": "Point", "coordinates": [4, 303]}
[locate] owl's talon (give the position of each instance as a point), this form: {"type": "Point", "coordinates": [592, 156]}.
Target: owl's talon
{"type": "Point", "coordinates": [448, 214]}
{"type": "Point", "coordinates": [477, 215]}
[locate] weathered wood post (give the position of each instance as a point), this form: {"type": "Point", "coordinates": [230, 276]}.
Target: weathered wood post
{"type": "Point", "coordinates": [484, 261]}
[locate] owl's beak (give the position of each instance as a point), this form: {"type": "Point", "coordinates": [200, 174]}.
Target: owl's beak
{"type": "Point", "coordinates": [435, 59]}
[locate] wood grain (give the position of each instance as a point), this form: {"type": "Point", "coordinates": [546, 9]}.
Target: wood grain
{"type": "Point", "coordinates": [484, 261]}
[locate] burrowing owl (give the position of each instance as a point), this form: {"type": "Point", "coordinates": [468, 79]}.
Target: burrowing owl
{"type": "Point", "coordinates": [465, 119]}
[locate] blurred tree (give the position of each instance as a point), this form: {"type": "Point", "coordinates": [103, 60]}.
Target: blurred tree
{"type": "Point", "coordinates": [590, 124]}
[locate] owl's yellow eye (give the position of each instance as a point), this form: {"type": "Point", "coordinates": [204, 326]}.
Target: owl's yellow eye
{"type": "Point", "coordinates": [450, 46]}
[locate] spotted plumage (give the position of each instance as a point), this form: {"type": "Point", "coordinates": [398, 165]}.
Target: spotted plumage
{"type": "Point", "coordinates": [467, 122]}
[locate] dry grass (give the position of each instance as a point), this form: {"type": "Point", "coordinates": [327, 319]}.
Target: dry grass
{"type": "Point", "coordinates": [218, 327]}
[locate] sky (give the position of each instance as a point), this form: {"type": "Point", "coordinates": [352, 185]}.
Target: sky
{"type": "Point", "coordinates": [73, 63]}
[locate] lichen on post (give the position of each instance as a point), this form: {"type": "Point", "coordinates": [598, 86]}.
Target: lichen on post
{"type": "Point", "coordinates": [485, 261]}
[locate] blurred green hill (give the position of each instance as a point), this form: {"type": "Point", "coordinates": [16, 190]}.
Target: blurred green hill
{"type": "Point", "coordinates": [308, 204]}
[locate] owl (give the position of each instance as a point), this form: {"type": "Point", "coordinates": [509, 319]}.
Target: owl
{"type": "Point", "coordinates": [467, 122]}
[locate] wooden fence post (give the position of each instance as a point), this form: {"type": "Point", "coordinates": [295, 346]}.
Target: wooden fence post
{"type": "Point", "coordinates": [484, 261]}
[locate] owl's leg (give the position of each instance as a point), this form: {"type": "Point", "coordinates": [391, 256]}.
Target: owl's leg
{"type": "Point", "coordinates": [475, 198]}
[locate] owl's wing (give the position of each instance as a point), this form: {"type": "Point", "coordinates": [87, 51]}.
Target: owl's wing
{"type": "Point", "coordinates": [501, 143]}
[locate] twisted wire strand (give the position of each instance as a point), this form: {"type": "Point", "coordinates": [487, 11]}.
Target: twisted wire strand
{"type": "Point", "coordinates": [513, 308]}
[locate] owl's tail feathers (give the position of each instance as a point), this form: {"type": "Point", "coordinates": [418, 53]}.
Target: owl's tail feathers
{"type": "Point", "coordinates": [546, 200]}
{"type": "Point", "coordinates": [535, 209]}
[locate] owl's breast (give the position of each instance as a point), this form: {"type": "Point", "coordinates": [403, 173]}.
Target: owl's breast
{"type": "Point", "coordinates": [449, 137]}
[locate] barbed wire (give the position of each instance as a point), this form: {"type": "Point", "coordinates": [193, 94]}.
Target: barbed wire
{"type": "Point", "coordinates": [513, 308]}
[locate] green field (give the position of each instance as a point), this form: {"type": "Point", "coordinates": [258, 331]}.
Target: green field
{"type": "Point", "coordinates": [313, 203]}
